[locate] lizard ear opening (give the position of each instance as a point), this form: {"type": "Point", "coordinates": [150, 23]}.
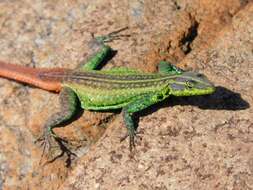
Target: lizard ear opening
{"type": "Point", "coordinates": [167, 68]}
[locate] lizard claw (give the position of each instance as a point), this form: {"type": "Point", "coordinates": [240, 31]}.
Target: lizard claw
{"type": "Point", "coordinates": [111, 36]}
{"type": "Point", "coordinates": [131, 139]}
{"type": "Point", "coordinates": [64, 150]}
{"type": "Point", "coordinates": [46, 141]}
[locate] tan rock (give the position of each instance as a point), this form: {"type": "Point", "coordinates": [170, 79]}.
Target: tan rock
{"type": "Point", "coordinates": [186, 143]}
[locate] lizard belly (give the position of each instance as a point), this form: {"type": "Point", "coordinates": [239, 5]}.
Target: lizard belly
{"type": "Point", "coordinates": [105, 99]}
{"type": "Point", "coordinates": [92, 101]}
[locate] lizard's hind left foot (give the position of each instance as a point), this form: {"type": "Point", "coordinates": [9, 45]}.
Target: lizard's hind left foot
{"type": "Point", "coordinates": [115, 35]}
{"type": "Point", "coordinates": [62, 144]}
{"type": "Point", "coordinates": [50, 142]}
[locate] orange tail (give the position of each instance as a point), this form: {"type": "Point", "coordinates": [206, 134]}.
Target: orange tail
{"type": "Point", "coordinates": [30, 76]}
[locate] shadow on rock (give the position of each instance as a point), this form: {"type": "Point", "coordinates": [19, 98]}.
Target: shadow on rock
{"type": "Point", "coordinates": [222, 99]}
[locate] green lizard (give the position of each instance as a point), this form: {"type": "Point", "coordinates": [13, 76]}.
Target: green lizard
{"type": "Point", "coordinates": [116, 88]}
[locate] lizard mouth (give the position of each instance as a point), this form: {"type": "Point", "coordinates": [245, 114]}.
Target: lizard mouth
{"type": "Point", "coordinates": [201, 90]}
{"type": "Point", "coordinates": [208, 90]}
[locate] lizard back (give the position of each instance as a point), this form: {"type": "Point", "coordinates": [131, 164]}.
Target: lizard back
{"type": "Point", "coordinates": [107, 89]}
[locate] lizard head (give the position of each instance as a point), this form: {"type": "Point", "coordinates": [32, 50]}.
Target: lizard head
{"type": "Point", "coordinates": [190, 84]}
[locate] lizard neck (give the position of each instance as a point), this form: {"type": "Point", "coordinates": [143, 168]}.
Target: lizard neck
{"type": "Point", "coordinates": [30, 76]}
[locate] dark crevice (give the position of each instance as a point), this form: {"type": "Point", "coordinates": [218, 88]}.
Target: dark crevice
{"type": "Point", "coordinates": [190, 36]}
{"type": "Point", "coordinates": [244, 2]}
{"type": "Point", "coordinates": [176, 5]}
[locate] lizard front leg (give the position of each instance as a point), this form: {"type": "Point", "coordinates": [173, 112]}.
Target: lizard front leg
{"type": "Point", "coordinates": [69, 105]}
{"type": "Point", "coordinates": [139, 104]}
{"type": "Point", "coordinates": [168, 68]}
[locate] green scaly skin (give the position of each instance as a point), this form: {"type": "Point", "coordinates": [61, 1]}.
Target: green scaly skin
{"type": "Point", "coordinates": [124, 88]}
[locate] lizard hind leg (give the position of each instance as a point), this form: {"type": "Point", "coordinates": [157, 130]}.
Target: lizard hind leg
{"type": "Point", "coordinates": [101, 52]}
{"type": "Point", "coordinates": [115, 35]}
{"type": "Point", "coordinates": [69, 104]}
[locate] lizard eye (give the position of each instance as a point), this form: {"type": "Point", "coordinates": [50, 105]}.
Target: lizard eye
{"type": "Point", "coordinates": [189, 84]}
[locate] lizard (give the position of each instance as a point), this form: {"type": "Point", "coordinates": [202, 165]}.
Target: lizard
{"type": "Point", "coordinates": [118, 88]}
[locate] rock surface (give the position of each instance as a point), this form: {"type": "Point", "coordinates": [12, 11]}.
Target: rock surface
{"type": "Point", "coordinates": [186, 143]}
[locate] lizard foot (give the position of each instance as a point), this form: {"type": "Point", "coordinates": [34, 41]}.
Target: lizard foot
{"type": "Point", "coordinates": [62, 143]}
{"type": "Point", "coordinates": [47, 140]}
{"type": "Point", "coordinates": [131, 139]}
{"type": "Point", "coordinates": [111, 36]}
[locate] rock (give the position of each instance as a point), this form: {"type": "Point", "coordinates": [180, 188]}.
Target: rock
{"type": "Point", "coordinates": [186, 143]}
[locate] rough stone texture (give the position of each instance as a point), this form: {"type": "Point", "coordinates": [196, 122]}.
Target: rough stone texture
{"type": "Point", "coordinates": [186, 143]}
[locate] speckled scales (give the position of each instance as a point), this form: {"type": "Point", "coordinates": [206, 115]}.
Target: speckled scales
{"type": "Point", "coordinates": [105, 98]}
